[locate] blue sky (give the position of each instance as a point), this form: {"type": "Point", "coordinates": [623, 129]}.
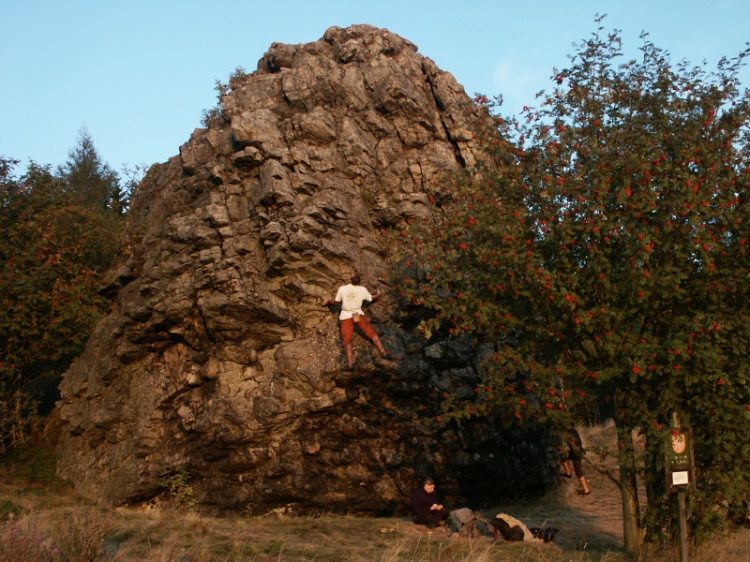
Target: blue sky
{"type": "Point", "coordinates": [138, 74]}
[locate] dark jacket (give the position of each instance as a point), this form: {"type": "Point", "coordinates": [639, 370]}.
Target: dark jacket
{"type": "Point", "coordinates": [422, 501]}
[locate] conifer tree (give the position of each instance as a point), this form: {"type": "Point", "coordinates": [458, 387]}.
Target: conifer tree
{"type": "Point", "coordinates": [89, 181]}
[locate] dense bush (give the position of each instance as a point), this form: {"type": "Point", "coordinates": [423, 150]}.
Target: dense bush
{"type": "Point", "coordinates": [58, 234]}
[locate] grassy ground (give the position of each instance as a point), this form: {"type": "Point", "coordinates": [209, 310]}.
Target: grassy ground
{"type": "Point", "coordinates": [49, 522]}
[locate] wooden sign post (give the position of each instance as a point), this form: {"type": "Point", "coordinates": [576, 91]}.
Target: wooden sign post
{"type": "Point", "coordinates": [680, 472]}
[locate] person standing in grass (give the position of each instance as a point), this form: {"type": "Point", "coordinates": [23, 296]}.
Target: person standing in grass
{"type": "Point", "coordinates": [575, 456]}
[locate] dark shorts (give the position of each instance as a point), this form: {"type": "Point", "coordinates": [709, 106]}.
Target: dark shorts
{"type": "Point", "coordinates": [577, 465]}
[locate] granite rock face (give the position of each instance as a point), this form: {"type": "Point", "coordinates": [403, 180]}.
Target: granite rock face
{"type": "Point", "coordinates": [217, 358]}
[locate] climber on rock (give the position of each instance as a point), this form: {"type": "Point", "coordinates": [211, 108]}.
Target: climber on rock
{"type": "Point", "coordinates": [351, 297]}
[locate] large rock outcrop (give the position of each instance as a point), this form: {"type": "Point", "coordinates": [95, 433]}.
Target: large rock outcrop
{"type": "Point", "coordinates": [217, 359]}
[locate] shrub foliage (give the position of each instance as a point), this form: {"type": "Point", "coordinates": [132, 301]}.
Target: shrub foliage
{"type": "Point", "coordinates": [55, 243]}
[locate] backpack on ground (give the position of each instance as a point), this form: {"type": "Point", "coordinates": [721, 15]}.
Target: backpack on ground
{"type": "Point", "coordinates": [466, 523]}
{"type": "Point", "coordinates": [461, 521]}
{"type": "Point", "coordinates": [513, 529]}
{"type": "Point", "coordinates": [547, 534]}
{"type": "Point", "coordinates": [509, 533]}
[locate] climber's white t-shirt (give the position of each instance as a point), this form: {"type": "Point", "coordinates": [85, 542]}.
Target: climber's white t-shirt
{"type": "Point", "coordinates": [351, 298]}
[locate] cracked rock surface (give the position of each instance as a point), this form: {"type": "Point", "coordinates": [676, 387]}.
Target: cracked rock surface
{"type": "Point", "coordinates": [217, 359]}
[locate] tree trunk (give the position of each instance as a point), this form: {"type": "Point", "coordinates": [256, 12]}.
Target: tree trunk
{"type": "Point", "coordinates": [654, 482]}
{"type": "Point", "coordinates": [629, 490]}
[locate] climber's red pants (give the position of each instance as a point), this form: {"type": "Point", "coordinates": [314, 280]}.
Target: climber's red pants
{"type": "Point", "coordinates": [347, 329]}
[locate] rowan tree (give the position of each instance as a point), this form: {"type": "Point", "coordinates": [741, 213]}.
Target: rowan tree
{"type": "Point", "coordinates": [603, 250]}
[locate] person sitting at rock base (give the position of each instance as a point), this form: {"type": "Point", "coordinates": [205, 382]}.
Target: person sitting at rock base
{"type": "Point", "coordinates": [425, 509]}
